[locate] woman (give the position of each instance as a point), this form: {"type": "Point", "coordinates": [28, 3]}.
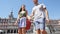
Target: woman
{"type": "Point", "coordinates": [21, 20]}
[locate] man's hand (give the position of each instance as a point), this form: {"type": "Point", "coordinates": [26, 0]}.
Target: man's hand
{"type": "Point", "coordinates": [48, 21]}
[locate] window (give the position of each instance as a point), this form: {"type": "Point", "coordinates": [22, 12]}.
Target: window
{"type": "Point", "coordinates": [15, 31]}
{"type": "Point", "coordinates": [8, 31]}
{"type": "Point", "coordinates": [11, 31]}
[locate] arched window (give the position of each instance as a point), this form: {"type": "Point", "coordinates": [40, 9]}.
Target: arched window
{"type": "Point", "coordinates": [15, 31]}
{"type": "Point", "coordinates": [11, 31]}
{"type": "Point", "coordinates": [8, 31]}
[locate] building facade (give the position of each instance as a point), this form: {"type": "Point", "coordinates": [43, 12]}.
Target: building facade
{"type": "Point", "coordinates": [7, 25]}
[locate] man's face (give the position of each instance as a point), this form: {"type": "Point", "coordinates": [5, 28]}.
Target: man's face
{"type": "Point", "coordinates": [35, 1]}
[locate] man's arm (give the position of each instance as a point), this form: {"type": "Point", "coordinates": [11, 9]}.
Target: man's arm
{"type": "Point", "coordinates": [47, 15]}
{"type": "Point", "coordinates": [32, 15]}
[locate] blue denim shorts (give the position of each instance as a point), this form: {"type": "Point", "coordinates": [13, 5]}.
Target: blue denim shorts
{"type": "Point", "coordinates": [39, 24]}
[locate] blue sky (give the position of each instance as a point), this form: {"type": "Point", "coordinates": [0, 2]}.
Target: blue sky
{"type": "Point", "coordinates": [6, 6]}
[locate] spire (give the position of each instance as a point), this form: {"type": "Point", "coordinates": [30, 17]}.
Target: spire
{"type": "Point", "coordinates": [11, 15]}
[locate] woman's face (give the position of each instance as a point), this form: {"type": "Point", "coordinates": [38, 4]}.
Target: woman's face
{"type": "Point", "coordinates": [23, 7]}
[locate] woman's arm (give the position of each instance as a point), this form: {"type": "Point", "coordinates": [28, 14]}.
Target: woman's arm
{"type": "Point", "coordinates": [26, 13]}
{"type": "Point", "coordinates": [28, 17]}
{"type": "Point", "coordinates": [17, 19]}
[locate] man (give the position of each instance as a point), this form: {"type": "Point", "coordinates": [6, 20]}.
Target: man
{"type": "Point", "coordinates": [39, 12]}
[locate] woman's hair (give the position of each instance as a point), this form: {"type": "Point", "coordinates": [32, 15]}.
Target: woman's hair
{"type": "Point", "coordinates": [21, 9]}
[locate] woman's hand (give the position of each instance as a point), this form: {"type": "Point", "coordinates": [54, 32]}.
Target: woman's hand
{"type": "Point", "coordinates": [15, 23]}
{"type": "Point", "coordinates": [28, 17]}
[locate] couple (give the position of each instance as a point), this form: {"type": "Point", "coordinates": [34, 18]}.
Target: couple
{"type": "Point", "coordinates": [39, 12]}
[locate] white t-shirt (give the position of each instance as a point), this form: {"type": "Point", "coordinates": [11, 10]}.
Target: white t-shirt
{"type": "Point", "coordinates": [38, 11]}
